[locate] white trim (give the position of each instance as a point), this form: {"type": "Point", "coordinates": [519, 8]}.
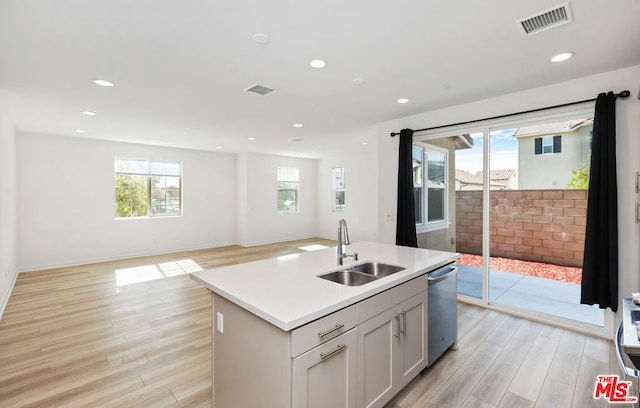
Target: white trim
{"type": "Point", "coordinates": [434, 226]}
{"type": "Point", "coordinates": [5, 301]}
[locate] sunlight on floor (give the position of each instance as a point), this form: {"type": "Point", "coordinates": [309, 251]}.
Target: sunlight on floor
{"type": "Point", "coordinates": [313, 247]}
{"type": "Point", "coordinates": [151, 272]}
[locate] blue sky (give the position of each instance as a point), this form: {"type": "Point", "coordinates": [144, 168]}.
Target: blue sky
{"type": "Point", "coordinates": [503, 148]}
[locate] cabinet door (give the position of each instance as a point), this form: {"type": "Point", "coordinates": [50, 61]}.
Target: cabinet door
{"type": "Point", "coordinates": [413, 338]}
{"type": "Point", "coordinates": [378, 346]}
{"type": "Point", "coordinates": [326, 375]}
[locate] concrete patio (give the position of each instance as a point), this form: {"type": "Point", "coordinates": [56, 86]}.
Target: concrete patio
{"type": "Point", "coordinates": [529, 292]}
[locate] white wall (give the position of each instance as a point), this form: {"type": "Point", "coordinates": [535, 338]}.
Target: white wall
{"type": "Point", "coordinates": [361, 199]}
{"type": "Point", "coordinates": [259, 222]}
{"type": "Point", "coordinates": [8, 251]}
{"type": "Point", "coordinates": [66, 203]}
{"type": "Point", "coordinates": [628, 150]}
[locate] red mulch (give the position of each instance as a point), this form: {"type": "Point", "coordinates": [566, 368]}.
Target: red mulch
{"type": "Point", "coordinates": [542, 270]}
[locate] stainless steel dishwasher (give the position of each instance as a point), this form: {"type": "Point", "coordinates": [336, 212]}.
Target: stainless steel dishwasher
{"type": "Point", "coordinates": [442, 312]}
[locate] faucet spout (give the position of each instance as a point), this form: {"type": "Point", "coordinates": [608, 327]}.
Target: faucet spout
{"type": "Point", "coordinates": [343, 239]}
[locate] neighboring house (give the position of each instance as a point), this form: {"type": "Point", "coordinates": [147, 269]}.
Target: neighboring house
{"type": "Point", "coordinates": [434, 182]}
{"type": "Point", "coordinates": [508, 179]}
{"type": "Point", "coordinates": [548, 153]}
{"type": "Point", "coordinates": [499, 180]}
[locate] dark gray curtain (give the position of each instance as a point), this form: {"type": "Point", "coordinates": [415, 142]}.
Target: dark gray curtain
{"type": "Point", "coordinates": [406, 220]}
{"type": "Point", "coordinates": [600, 265]}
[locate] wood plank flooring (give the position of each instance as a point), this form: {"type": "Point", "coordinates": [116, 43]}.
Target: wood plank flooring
{"type": "Point", "coordinates": [90, 336]}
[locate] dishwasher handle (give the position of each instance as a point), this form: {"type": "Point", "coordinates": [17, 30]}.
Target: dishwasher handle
{"type": "Point", "coordinates": [441, 274]}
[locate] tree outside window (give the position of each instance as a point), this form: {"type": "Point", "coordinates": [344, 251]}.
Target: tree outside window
{"type": "Point", "coordinates": [288, 183]}
{"type": "Point", "coordinates": [145, 188]}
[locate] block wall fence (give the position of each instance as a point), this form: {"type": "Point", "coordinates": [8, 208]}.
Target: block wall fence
{"type": "Point", "coordinates": [532, 225]}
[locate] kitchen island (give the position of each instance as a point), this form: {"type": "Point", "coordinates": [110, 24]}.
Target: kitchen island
{"type": "Point", "coordinates": [284, 337]}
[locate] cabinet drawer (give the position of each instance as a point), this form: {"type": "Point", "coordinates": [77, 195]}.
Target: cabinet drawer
{"type": "Point", "coordinates": [379, 303]}
{"type": "Point", "coordinates": [317, 332]}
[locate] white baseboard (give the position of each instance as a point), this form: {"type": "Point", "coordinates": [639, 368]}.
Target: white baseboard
{"type": "Point", "coordinates": [88, 261]}
{"type": "Point", "coordinates": [6, 296]}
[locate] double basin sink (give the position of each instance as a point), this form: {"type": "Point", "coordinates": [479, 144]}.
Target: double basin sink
{"type": "Point", "coordinates": [357, 275]}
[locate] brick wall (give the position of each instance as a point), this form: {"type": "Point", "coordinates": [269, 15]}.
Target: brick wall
{"type": "Point", "coordinates": [533, 225]}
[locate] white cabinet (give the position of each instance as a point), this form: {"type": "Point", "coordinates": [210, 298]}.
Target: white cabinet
{"type": "Point", "coordinates": [391, 350]}
{"type": "Point", "coordinates": [359, 356]}
{"type": "Point", "coordinates": [326, 375]}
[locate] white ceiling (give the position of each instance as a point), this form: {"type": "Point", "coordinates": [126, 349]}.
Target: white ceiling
{"type": "Point", "coordinates": [180, 67]}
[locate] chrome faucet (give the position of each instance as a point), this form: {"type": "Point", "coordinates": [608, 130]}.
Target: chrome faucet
{"type": "Point", "coordinates": [343, 240]}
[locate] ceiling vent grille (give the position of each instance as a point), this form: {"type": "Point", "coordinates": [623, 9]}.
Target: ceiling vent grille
{"type": "Point", "coordinates": [259, 89]}
{"type": "Point", "coordinates": [546, 20]}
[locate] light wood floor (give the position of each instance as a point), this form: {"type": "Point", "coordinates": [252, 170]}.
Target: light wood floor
{"type": "Point", "coordinates": [85, 337]}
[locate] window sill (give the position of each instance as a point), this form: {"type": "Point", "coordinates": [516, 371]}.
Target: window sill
{"type": "Point", "coordinates": [153, 217]}
{"type": "Point", "coordinates": [436, 226]}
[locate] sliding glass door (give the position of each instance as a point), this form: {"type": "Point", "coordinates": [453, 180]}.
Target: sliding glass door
{"type": "Point", "coordinates": [520, 214]}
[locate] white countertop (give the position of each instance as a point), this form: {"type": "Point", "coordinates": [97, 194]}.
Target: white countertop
{"type": "Point", "coordinates": [286, 291]}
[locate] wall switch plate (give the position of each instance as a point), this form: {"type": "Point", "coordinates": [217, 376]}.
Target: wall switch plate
{"type": "Point", "coordinates": [220, 322]}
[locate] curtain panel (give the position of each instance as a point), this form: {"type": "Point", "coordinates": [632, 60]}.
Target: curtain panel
{"type": "Point", "coordinates": [406, 219]}
{"type": "Point", "coordinates": [600, 265]}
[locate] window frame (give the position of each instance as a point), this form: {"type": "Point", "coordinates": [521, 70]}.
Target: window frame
{"type": "Point", "coordinates": [542, 142]}
{"type": "Point", "coordinates": [424, 225]}
{"type": "Point", "coordinates": [295, 188]}
{"type": "Point", "coordinates": [338, 184]}
{"type": "Point", "coordinates": [148, 174]}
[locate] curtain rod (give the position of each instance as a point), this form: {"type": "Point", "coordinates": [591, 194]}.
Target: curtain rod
{"type": "Point", "coordinates": [623, 94]}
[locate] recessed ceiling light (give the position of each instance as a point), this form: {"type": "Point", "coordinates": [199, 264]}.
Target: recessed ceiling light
{"type": "Point", "coordinates": [318, 63]}
{"type": "Point", "coordinates": [298, 125]}
{"type": "Point", "coordinates": [261, 38]}
{"type": "Point", "coordinates": [403, 100]}
{"type": "Point", "coordinates": [219, 147]}
{"type": "Point", "coordinates": [88, 113]}
{"type": "Point", "coordinates": [102, 82]}
{"type": "Point", "coordinates": [358, 81]}
{"type": "Point", "coordinates": [80, 131]}
{"type": "Point", "coordinates": [365, 143]}
{"type": "Point", "coordinates": [562, 57]}
{"type": "Point", "coordinates": [295, 139]}
{"type": "Point", "coordinates": [252, 138]}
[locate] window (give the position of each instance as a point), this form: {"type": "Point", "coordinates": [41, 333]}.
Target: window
{"type": "Point", "coordinates": [548, 144]}
{"type": "Point", "coordinates": [147, 188]}
{"type": "Point", "coordinates": [338, 188]}
{"type": "Point", "coordinates": [430, 185]}
{"type": "Point", "coordinates": [288, 182]}
{"type": "Point", "coordinates": [436, 185]}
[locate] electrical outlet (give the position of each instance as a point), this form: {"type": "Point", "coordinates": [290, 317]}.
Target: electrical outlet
{"type": "Point", "coordinates": [220, 322]}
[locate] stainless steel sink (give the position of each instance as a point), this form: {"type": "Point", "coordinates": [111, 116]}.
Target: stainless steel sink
{"type": "Point", "coordinates": [377, 269]}
{"type": "Point", "coordinates": [357, 275]}
{"type": "Point", "coordinates": [349, 278]}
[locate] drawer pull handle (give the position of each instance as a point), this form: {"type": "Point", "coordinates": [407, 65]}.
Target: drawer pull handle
{"type": "Point", "coordinates": [338, 326]}
{"type": "Point", "coordinates": [403, 330]}
{"type": "Point", "coordinates": [336, 350]}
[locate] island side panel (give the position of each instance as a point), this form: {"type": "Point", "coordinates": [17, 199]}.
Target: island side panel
{"type": "Point", "coordinates": [251, 359]}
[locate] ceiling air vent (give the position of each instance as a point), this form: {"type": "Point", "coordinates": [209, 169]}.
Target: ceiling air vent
{"type": "Point", "coordinates": [546, 20]}
{"type": "Point", "coordinates": [259, 89]}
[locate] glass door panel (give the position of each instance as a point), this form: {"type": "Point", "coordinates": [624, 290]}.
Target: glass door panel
{"type": "Point", "coordinates": [537, 212]}
{"type": "Point", "coordinates": [469, 159]}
